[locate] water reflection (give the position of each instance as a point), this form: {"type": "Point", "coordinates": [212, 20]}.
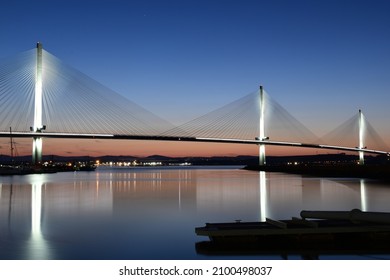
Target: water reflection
{"type": "Point", "coordinates": [363, 195]}
{"type": "Point", "coordinates": [263, 196]}
{"type": "Point", "coordinates": [152, 213]}
{"type": "Point", "coordinates": [37, 245]}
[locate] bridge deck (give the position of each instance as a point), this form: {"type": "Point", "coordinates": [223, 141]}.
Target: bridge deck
{"type": "Point", "coordinates": [187, 139]}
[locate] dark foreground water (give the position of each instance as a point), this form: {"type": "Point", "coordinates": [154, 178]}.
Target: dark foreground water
{"type": "Point", "coordinates": [147, 213]}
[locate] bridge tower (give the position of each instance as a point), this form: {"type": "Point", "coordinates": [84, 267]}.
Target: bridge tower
{"type": "Point", "coordinates": [262, 128]}
{"type": "Point", "coordinates": [38, 127]}
{"type": "Point", "coordinates": [361, 137]}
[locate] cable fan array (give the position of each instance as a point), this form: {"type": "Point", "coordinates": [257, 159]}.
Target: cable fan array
{"type": "Point", "coordinates": [72, 101]}
{"type": "Point", "coordinates": [75, 103]}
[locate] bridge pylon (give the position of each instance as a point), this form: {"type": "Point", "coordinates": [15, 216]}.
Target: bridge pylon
{"type": "Point", "coordinates": [262, 128]}
{"type": "Point", "coordinates": [361, 137]}
{"type": "Point", "coordinates": [38, 127]}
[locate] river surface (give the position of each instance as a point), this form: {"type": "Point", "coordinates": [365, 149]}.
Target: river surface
{"type": "Point", "coordinates": [151, 213]}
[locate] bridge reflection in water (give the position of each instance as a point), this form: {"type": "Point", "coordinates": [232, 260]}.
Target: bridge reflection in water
{"type": "Point", "coordinates": [38, 248]}
{"type": "Point", "coordinates": [138, 213]}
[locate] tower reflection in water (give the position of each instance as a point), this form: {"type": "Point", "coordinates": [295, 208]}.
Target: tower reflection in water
{"type": "Point", "coordinates": [263, 196]}
{"type": "Point", "coordinates": [37, 246]}
{"type": "Point", "coordinates": [363, 195]}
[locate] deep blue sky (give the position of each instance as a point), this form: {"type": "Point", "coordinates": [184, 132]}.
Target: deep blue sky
{"type": "Point", "coordinates": [322, 60]}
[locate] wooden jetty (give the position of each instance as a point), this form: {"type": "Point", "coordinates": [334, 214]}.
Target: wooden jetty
{"type": "Point", "coordinates": [313, 231]}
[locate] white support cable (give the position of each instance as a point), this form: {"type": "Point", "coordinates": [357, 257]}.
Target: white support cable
{"type": "Point", "coordinates": [75, 103]}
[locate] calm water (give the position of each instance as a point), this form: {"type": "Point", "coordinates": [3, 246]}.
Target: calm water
{"type": "Point", "coordinates": [147, 213]}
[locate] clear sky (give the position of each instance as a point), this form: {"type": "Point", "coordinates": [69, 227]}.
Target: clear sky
{"type": "Point", "coordinates": [322, 60]}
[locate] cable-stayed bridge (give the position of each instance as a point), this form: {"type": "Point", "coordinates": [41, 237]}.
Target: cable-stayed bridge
{"type": "Point", "coordinates": [42, 97]}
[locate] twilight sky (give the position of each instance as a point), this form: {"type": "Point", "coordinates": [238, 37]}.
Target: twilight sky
{"type": "Point", "coordinates": [322, 60]}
